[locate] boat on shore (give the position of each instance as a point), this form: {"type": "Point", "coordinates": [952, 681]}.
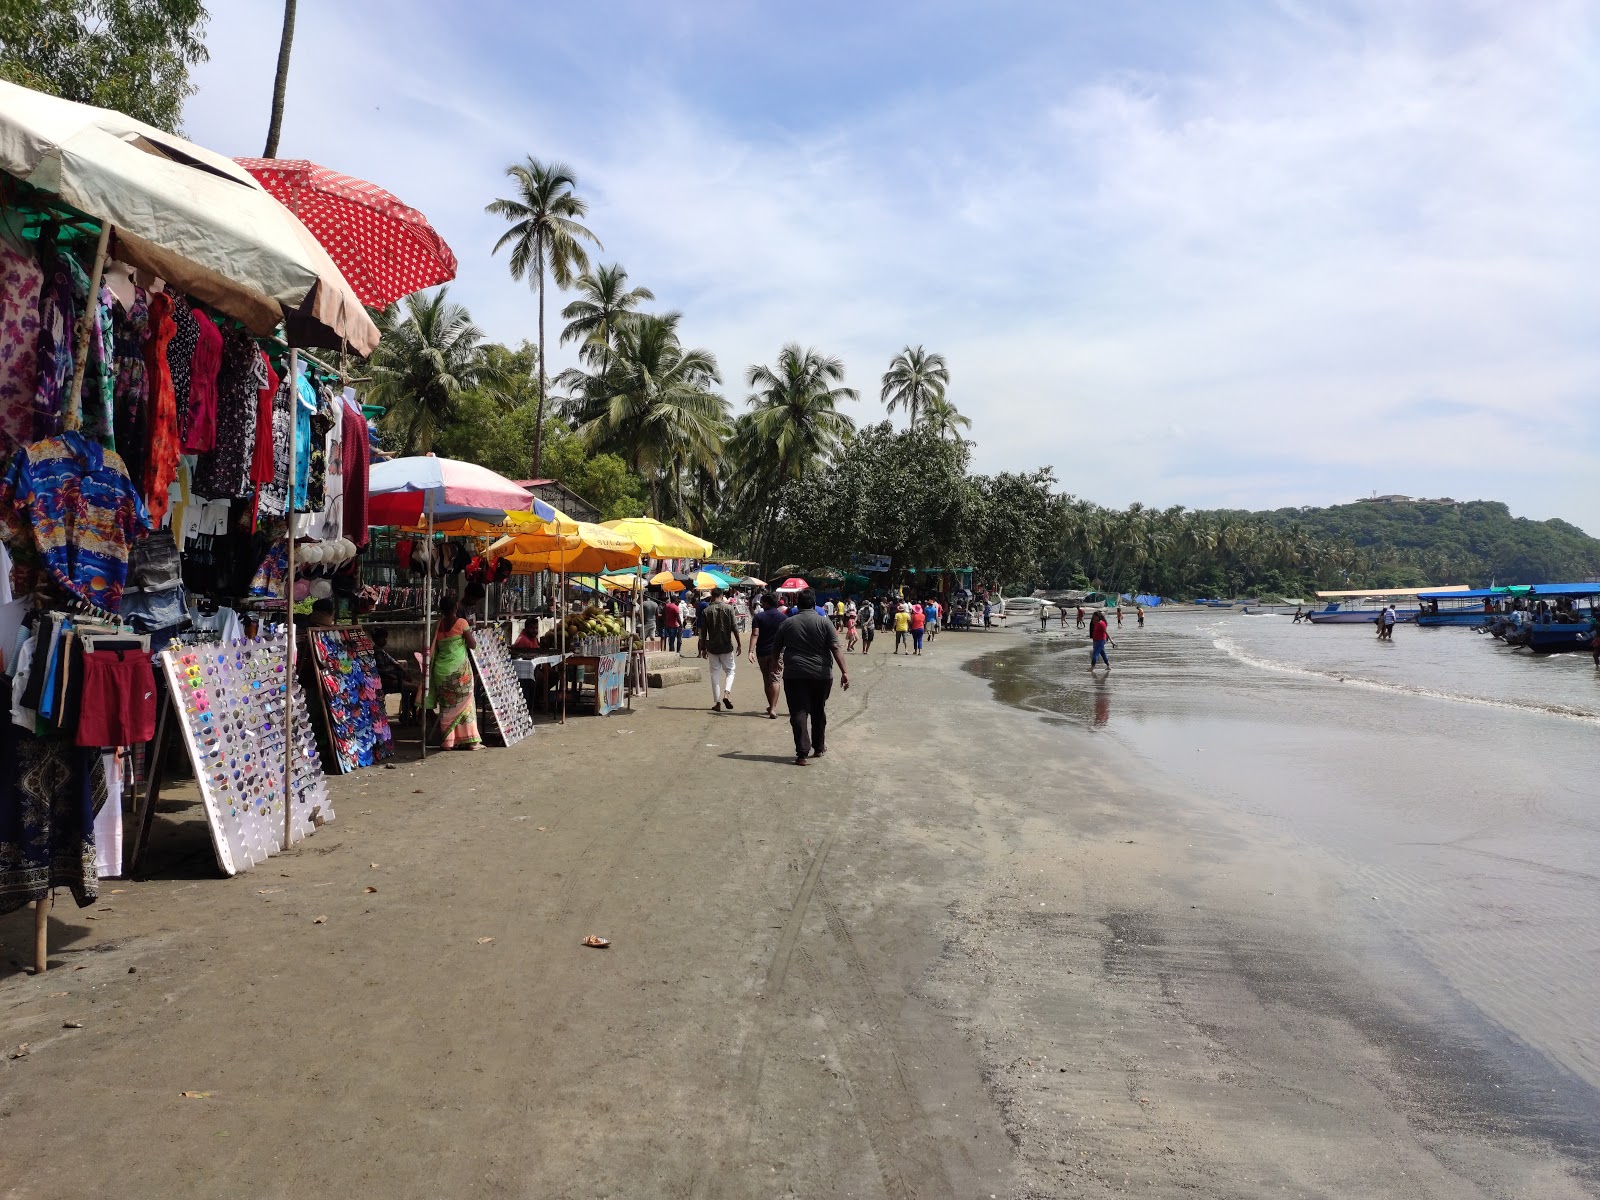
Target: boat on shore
{"type": "Point", "coordinates": [1363, 607]}
{"type": "Point", "coordinates": [1558, 620]}
{"type": "Point", "coordinates": [1473, 608]}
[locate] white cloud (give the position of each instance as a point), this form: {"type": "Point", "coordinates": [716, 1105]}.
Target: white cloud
{"type": "Point", "coordinates": [1338, 248]}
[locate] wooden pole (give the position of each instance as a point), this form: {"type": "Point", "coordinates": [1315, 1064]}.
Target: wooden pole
{"type": "Point", "coordinates": [427, 631]}
{"type": "Point", "coordinates": [80, 365]}
{"type": "Point", "coordinates": [41, 934]}
{"type": "Point", "coordinates": [288, 606]}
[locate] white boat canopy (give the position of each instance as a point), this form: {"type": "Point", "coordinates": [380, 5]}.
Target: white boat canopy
{"type": "Point", "coordinates": [1377, 593]}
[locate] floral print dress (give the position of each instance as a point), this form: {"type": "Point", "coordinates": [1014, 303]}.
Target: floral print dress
{"type": "Point", "coordinates": [21, 281]}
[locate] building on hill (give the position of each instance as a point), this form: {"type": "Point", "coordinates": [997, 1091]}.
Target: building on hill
{"type": "Point", "coordinates": [1397, 499]}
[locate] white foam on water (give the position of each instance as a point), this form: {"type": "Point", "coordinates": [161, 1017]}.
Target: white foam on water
{"type": "Point", "coordinates": [1566, 712]}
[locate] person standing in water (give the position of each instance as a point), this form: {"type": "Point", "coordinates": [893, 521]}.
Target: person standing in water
{"type": "Point", "coordinates": [1099, 635]}
{"type": "Point", "coordinates": [1139, 608]}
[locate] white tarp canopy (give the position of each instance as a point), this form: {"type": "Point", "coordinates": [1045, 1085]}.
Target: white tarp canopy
{"type": "Point", "coordinates": [195, 218]}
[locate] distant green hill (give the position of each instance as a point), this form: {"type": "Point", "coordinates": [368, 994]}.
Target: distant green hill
{"type": "Point", "coordinates": [1473, 542]}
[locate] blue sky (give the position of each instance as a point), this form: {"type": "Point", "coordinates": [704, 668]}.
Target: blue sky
{"type": "Point", "coordinates": [1201, 253]}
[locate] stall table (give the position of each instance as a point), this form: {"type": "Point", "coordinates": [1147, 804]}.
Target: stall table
{"type": "Point", "coordinates": [535, 676]}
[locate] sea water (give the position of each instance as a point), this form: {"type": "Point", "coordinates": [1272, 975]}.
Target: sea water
{"type": "Point", "coordinates": [1454, 783]}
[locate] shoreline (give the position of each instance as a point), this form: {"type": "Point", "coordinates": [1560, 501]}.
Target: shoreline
{"type": "Point", "coordinates": [969, 952]}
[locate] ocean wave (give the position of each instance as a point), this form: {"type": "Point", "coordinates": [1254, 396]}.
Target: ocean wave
{"type": "Point", "coordinates": [1567, 712]}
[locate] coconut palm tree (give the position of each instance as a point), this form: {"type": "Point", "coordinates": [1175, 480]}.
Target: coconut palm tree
{"type": "Point", "coordinates": [794, 412]}
{"type": "Point", "coordinates": [653, 406]}
{"type": "Point", "coordinates": [604, 303]}
{"type": "Point", "coordinates": [545, 236]}
{"type": "Point", "coordinates": [942, 418]}
{"type": "Point", "coordinates": [280, 83]}
{"type": "Point", "coordinates": [429, 353]}
{"type": "Point", "coordinates": [913, 380]}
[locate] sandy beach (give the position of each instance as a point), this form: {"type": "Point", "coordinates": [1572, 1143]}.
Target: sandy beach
{"type": "Point", "coordinates": [977, 951]}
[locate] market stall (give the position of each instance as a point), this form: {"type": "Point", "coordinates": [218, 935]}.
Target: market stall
{"type": "Point", "coordinates": [592, 645]}
{"type": "Point", "coordinates": [175, 471]}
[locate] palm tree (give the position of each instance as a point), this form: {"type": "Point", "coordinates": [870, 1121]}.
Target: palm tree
{"type": "Point", "coordinates": [429, 353]}
{"type": "Point", "coordinates": [941, 417]}
{"type": "Point", "coordinates": [913, 380]}
{"type": "Point", "coordinates": [794, 412]}
{"type": "Point", "coordinates": [544, 236]}
{"type": "Point", "coordinates": [653, 406]}
{"type": "Point", "coordinates": [605, 302]}
{"type": "Point", "coordinates": [280, 85]}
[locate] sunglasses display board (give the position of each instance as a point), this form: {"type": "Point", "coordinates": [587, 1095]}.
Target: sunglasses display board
{"type": "Point", "coordinates": [228, 699]}
{"type": "Point", "coordinates": [511, 721]}
{"type": "Point", "coordinates": [352, 695]}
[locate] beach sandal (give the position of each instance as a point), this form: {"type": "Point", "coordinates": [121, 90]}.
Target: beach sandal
{"type": "Point", "coordinates": [596, 943]}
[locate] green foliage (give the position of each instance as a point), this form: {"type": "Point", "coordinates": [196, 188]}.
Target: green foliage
{"type": "Point", "coordinates": [904, 494]}
{"type": "Point", "coordinates": [1295, 551]}
{"type": "Point", "coordinates": [1010, 527]}
{"type": "Point", "coordinates": [430, 356]}
{"type": "Point", "coordinates": [130, 55]}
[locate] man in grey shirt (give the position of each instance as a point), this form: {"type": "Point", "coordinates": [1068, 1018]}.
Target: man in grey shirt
{"type": "Point", "coordinates": [649, 611]}
{"type": "Point", "coordinates": [807, 640]}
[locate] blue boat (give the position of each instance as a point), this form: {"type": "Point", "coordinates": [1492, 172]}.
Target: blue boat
{"type": "Point", "coordinates": [1560, 620]}
{"type": "Point", "coordinates": [1474, 608]}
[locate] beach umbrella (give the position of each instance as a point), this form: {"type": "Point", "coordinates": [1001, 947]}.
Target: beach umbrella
{"type": "Point", "coordinates": [403, 489]}
{"type": "Point", "coordinates": [384, 248]}
{"type": "Point", "coordinates": [193, 217]}
{"type": "Point", "coordinates": [793, 584]}
{"type": "Point", "coordinates": [752, 581]}
{"type": "Point", "coordinates": [656, 540]}
{"type": "Point", "coordinates": [704, 581]}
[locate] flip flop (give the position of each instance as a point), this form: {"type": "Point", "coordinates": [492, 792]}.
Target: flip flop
{"type": "Point", "coordinates": [596, 943]}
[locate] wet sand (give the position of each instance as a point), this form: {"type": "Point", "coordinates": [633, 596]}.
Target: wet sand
{"type": "Point", "coordinates": [971, 952]}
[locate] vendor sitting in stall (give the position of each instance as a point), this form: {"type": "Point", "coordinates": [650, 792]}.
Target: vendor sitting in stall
{"type": "Point", "coordinates": [527, 645]}
{"type": "Point", "coordinates": [396, 679]}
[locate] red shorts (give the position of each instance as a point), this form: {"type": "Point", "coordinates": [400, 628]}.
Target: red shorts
{"type": "Point", "coordinates": [119, 699]}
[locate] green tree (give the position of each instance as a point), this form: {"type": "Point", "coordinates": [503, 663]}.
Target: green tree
{"type": "Point", "coordinates": [545, 237]}
{"type": "Point", "coordinates": [280, 81]}
{"type": "Point", "coordinates": [604, 303]}
{"type": "Point", "coordinates": [914, 379]}
{"type": "Point", "coordinates": [429, 355]}
{"type": "Point", "coordinates": [794, 415]}
{"type": "Point", "coordinates": [653, 407]}
{"type": "Point", "coordinates": [130, 55]}
{"type": "Point", "coordinates": [904, 493]}
{"type": "Point", "coordinates": [1009, 530]}
{"type": "Point", "coordinates": [940, 416]}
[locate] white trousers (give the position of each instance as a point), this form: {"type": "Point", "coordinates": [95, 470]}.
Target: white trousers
{"type": "Point", "coordinates": [722, 666]}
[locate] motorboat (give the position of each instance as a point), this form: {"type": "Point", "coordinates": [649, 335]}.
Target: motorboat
{"type": "Point", "coordinates": [1473, 608]}
{"type": "Point", "coordinates": [1363, 607]}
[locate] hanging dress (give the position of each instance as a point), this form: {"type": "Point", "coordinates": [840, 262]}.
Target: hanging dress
{"type": "Point", "coordinates": [224, 472]}
{"type": "Point", "coordinates": [180, 353]}
{"type": "Point", "coordinates": [21, 281]}
{"type": "Point", "coordinates": [131, 380]}
{"type": "Point", "coordinates": [161, 450]}
{"type": "Point", "coordinates": [200, 434]}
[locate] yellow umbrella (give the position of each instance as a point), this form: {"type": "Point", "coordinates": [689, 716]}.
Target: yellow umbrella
{"type": "Point", "coordinates": [656, 540]}
{"type": "Point", "coordinates": [665, 579]}
{"type": "Point", "coordinates": [590, 549]}
{"type": "Point", "coordinates": [527, 522]}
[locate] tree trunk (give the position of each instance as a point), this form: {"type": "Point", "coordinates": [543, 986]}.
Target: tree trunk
{"type": "Point", "coordinates": [280, 85]}
{"type": "Point", "coordinates": [538, 429]}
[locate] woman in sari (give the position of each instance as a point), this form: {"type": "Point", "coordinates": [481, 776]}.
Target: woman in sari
{"type": "Point", "coordinates": [450, 683]}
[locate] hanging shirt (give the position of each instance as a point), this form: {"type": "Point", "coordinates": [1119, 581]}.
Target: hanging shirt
{"type": "Point", "coordinates": [130, 383]}
{"type": "Point", "coordinates": [97, 400]}
{"type": "Point", "coordinates": [57, 320]}
{"type": "Point", "coordinates": [200, 434]}
{"type": "Point", "coordinates": [357, 466]}
{"type": "Point", "coordinates": [71, 501]}
{"type": "Point", "coordinates": [161, 445]}
{"type": "Point", "coordinates": [303, 412]}
{"type": "Point", "coordinates": [21, 281]}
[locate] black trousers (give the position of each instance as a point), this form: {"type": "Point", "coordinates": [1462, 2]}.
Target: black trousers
{"type": "Point", "coordinates": [808, 713]}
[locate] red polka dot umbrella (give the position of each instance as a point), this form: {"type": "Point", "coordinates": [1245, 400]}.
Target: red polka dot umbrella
{"type": "Point", "coordinates": [385, 249]}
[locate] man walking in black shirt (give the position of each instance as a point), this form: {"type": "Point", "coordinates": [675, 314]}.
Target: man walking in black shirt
{"type": "Point", "coordinates": [807, 641]}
